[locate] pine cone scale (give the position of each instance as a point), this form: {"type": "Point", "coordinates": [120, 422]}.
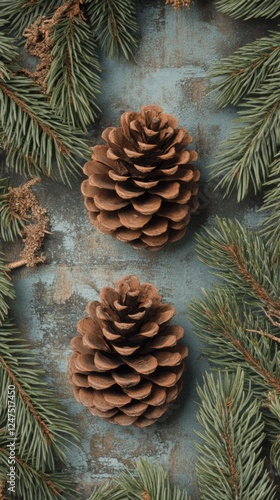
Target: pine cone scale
{"type": "Point", "coordinates": [140, 392]}
{"type": "Point", "coordinates": [100, 381]}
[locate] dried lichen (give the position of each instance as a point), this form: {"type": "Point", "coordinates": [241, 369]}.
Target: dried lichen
{"type": "Point", "coordinates": [25, 206]}
{"type": "Point", "coordinates": [177, 4]}
{"type": "Point", "coordinates": [39, 41]}
{"type": "Point", "coordinates": [146, 496]}
{"type": "Point", "coordinates": [2, 490]}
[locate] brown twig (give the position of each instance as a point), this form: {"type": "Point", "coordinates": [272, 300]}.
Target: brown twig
{"type": "Point", "coordinates": [264, 334]}
{"type": "Point", "coordinates": [64, 150]}
{"type": "Point", "coordinates": [177, 4]}
{"type": "Point", "coordinates": [16, 264]}
{"type": "Point", "coordinates": [236, 255]}
{"type": "Point", "coordinates": [270, 314]}
{"type": "Point", "coordinates": [26, 466]}
{"type": "Point", "coordinates": [233, 479]}
{"type": "Point", "coordinates": [253, 65]}
{"type": "Point", "coordinates": [45, 430]}
{"type": "Point", "coordinates": [272, 380]}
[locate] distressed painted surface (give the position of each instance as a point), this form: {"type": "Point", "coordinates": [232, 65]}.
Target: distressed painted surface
{"type": "Point", "coordinates": [177, 49]}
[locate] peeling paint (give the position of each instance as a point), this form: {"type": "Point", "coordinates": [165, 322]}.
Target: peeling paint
{"type": "Point", "coordinates": [63, 286]}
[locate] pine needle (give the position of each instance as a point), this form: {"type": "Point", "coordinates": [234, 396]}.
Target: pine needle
{"type": "Point", "coordinates": [249, 9]}
{"type": "Point", "coordinates": [249, 78]}
{"type": "Point", "coordinates": [73, 81]}
{"type": "Point", "coordinates": [31, 482]}
{"type": "Point", "coordinates": [149, 482]}
{"type": "Point", "coordinates": [115, 24]}
{"type": "Point", "coordinates": [11, 227]}
{"type": "Point", "coordinates": [8, 51]}
{"type": "Point", "coordinates": [229, 464]}
{"type": "Point", "coordinates": [229, 318]}
{"type": "Point", "coordinates": [43, 429]}
{"type": "Point", "coordinates": [21, 13]}
{"type": "Point", "coordinates": [32, 134]}
{"type": "Point", "coordinates": [246, 69]}
{"type": "Point", "coordinates": [245, 157]}
{"type": "Point", "coordinates": [242, 260]}
{"type": "Point", "coordinates": [6, 290]}
{"type": "Point", "coordinates": [271, 225]}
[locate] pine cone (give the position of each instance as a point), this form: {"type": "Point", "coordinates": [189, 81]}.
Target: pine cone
{"type": "Point", "coordinates": [142, 186]}
{"type": "Point", "coordinates": [127, 365]}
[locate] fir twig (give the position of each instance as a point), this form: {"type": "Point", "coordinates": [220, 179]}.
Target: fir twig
{"type": "Point", "coordinates": [246, 69]}
{"type": "Point", "coordinates": [248, 10]}
{"type": "Point", "coordinates": [242, 259]}
{"type": "Point", "coordinates": [229, 464]}
{"type": "Point", "coordinates": [11, 227]}
{"type": "Point", "coordinates": [8, 51]}
{"type": "Point", "coordinates": [148, 483]}
{"type": "Point", "coordinates": [73, 81]}
{"type": "Point", "coordinates": [21, 13]}
{"type": "Point", "coordinates": [229, 318]}
{"type": "Point", "coordinates": [6, 290]}
{"type": "Point", "coordinates": [32, 134]}
{"type": "Point", "coordinates": [105, 492]}
{"type": "Point", "coordinates": [273, 405]}
{"type": "Point", "coordinates": [271, 225]}
{"type": "Point", "coordinates": [230, 334]}
{"type": "Point", "coordinates": [31, 482]}
{"type": "Point", "coordinates": [245, 157]}
{"type": "Point", "coordinates": [43, 429]}
{"type": "Point", "coordinates": [115, 24]}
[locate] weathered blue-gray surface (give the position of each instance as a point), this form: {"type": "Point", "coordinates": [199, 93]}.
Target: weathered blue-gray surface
{"type": "Point", "coordinates": [177, 49]}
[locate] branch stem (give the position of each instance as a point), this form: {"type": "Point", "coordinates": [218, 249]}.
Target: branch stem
{"type": "Point", "coordinates": [45, 430]}
{"type": "Point", "coordinates": [16, 264]}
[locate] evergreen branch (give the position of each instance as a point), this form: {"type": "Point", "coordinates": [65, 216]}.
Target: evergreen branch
{"type": "Point", "coordinates": [73, 81]}
{"type": "Point", "coordinates": [21, 13]}
{"type": "Point", "coordinates": [273, 406]}
{"type": "Point", "coordinates": [115, 24]}
{"type": "Point", "coordinates": [8, 52]}
{"type": "Point", "coordinates": [227, 326]}
{"type": "Point", "coordinates": [107, 491]}
{"type": "Point", "coordinates": [246, 69]}
{"type": "Point", "coordinates": [43, 427]}
{"type": "Point", "coordinates": [11, 227]}
{"type": "Point", "coordinates": [6, 290]}
{"type": "Point", "coordinates": [229, 464]}
{"type": "Point", "coordinates": [238, 320]}
{"type": "Point", "coordinates": [149, 483]}
{"type": "Point", "coordinates": [32, 482]}
{"type": "Point", "coordinates": [271, 225]}
{"type": "Point", "coordinates": [269, 9]}
{"type": "Point", "coordinates": [245, 157]}
{"type": "Point", "coordinates": [242, 259]}
{"type": "Point", "coordinates": [32, 133]}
